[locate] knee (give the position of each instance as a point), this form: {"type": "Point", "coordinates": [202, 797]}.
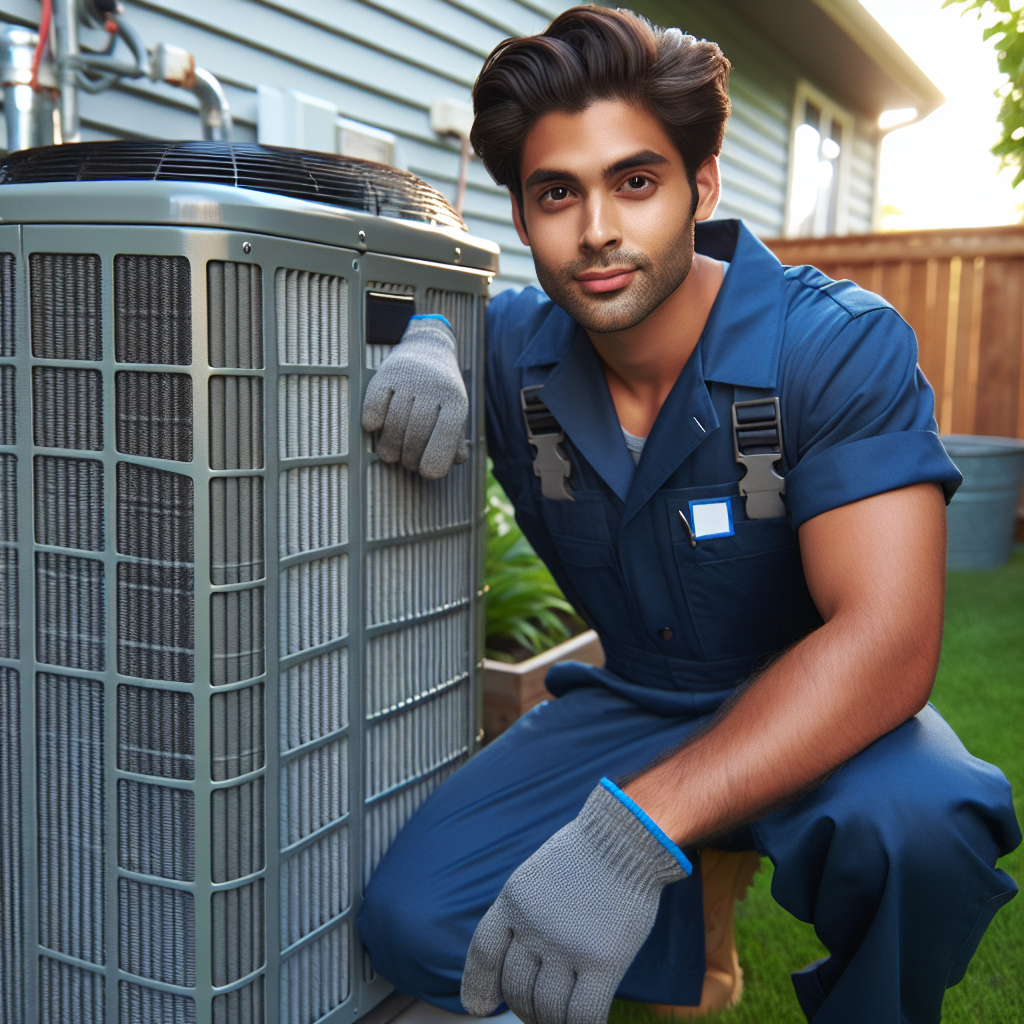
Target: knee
{"type": "Point", "coordinates": [915, 809]}
{"type": "Point", "coordinates": [937, 811]}
{"type": "Point", "coordinates": [397, 923]}
{"type": "Point", "coordinates": [409, 935]}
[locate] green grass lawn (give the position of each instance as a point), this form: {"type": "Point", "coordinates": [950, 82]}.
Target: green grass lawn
{"type": "Point", "coordinates": [980, 692]}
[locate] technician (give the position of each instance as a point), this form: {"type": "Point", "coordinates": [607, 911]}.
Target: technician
{"type": "Point", "coordinates": [733, 472]}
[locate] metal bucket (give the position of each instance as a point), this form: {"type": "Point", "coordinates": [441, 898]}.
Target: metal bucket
{"type": "Point", "coordinates": [983, 513]}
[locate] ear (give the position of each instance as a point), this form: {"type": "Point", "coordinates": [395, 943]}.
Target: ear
{"type": "Point", "coordinates": [709, 188]}
{"type": "Point", "coordinates": [517, 220]}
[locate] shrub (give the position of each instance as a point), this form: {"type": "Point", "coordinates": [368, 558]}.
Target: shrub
{"type": "Point", "coordinates": [526, 611]}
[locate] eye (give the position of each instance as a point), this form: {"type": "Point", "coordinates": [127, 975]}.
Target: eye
{"type": "Point", "coordinates": [635, 183]}
{"type": "Point", "coordinates": [556, 194]}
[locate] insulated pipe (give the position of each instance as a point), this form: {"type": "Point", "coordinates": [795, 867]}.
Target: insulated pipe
{"type": "Point", "coordinates": [29, 112]}
{"type": "Point", "coordinates": [65, 23]}
{"type": "Point", "coordinates": [214, 111]}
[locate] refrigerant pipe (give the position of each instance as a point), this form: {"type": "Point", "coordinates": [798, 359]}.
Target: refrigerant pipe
{"type": "Point", "coordinates": [34, 88]}
{"type": "Point", "coordinates": [30, 95]}
{"type": "Point", "coordinates": [65, 23]}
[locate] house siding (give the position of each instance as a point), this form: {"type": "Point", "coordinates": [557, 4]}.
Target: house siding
{"type": "Point", "coordinates": [381, 63]}
{"type": "Point", "coordinates": [762, 87]}
{"type": "Point", "coordinates": [755, 157]}
{"type": "Point", "coordinates": [863, 171]}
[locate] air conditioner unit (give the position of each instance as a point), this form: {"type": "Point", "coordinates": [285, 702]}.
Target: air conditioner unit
{"type": "Point", "coordinates": [236, 649]}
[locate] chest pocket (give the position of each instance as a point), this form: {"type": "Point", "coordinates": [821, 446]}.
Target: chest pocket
{"type": "Point", "coordinates": [746, 593]}
{"type": "Point", "coordinates": [579, 532]}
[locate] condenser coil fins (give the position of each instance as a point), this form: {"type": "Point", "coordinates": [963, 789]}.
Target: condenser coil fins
{"type": "Point", "coordinates": [71, 816]}
{"type": "Point", "coordinates": [67, 408]}
{"type": "Point", "coordinates": [237, 650]}
{"type": "Point", "coordinates": [12, 894]}
{"type": "Point", "coordinates": [153, 310]}
{"type": "Point", "coordinates": [313, 636]}
{"type": "Point", "coordinates": [6, 305]}
{"type": "Point", "coordinates": [66, 305]}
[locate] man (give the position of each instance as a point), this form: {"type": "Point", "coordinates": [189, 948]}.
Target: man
{"type": "Point", "coordinates": [771, 637]}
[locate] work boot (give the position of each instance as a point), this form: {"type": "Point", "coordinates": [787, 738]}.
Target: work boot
{"type": "Point", "coordinates": [725, 878]}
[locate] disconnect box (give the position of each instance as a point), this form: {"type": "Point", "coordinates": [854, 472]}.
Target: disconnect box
{"type": "Point", "coordinates": [237, 650]}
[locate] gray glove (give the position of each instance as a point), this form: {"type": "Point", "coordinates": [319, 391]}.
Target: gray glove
{"type": "Point", "coordinates": [568, 923]}
{"type": "Point", "coordinates": [418, 397]}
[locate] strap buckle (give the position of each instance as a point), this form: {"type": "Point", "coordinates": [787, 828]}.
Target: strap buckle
{"type": "Point", "coordinates": [551, 463]}
{"type": "Point", "coordinates": [757, 440]}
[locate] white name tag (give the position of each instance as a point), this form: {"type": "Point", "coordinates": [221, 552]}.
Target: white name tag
{"type": "Point", "coordinates": [711, 517]}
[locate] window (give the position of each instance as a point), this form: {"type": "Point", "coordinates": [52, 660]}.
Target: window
{"type": "Point", "coordinates": [821, 144]}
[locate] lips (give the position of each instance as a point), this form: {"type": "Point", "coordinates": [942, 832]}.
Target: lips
{"type": "Point", "coordinates": [606, 281]}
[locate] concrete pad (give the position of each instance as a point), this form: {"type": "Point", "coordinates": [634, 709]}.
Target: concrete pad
{"type": "Point", "coordinates": [424, 1013]}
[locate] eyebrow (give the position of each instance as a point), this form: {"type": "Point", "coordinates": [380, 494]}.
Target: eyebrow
{"type": "Point", "coordinates": [646, 158]}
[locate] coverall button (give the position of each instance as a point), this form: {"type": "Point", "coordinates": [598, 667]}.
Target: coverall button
{"type": "Point", "coordinates": [666, 633]}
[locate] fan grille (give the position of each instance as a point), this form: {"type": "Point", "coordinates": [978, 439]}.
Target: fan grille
{"type": "Point", "coordinates": [316, 177]}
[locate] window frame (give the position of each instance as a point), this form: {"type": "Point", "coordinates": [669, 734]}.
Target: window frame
{"type": "Point", "coordinates": [834, 113]}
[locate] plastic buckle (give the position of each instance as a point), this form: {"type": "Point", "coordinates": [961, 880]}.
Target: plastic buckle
{"type": "Point", "coordinates": [757, 440]}
{"type": "Point", "coordinates": [551, 463]}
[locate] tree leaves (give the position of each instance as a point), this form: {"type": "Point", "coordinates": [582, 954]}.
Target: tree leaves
{"type": "Point", "coordinates": [1008, 33]}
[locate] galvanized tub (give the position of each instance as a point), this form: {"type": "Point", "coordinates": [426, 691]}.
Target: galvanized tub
{"type": "Point", "coordinates": [983, 513]}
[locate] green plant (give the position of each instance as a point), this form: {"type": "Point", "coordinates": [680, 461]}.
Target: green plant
{"type": "Point", "coordinates": [1008, 33]}
{"type": "Point", "coordinates": [525, 608]}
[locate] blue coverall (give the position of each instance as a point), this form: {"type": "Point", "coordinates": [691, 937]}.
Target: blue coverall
{"type": "Point", "coordinates": [893, 857]}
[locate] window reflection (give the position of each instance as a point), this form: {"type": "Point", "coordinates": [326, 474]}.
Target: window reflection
{"type": "Point", "coordinates": [817, 146]}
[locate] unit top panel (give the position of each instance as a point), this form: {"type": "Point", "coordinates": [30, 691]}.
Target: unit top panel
{"type": "Point", "coordinates": [289, 193]}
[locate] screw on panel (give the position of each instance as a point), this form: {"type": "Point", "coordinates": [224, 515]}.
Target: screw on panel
{"type": "Point", "coordinates": [355, 264]}
{"type": "Point", "coordinates": [246, 248]}
{"type": "Point", "coordinates": [458, 254]}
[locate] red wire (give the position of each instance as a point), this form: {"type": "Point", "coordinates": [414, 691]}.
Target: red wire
{"type": "Point", "coordinates": [44, 35]}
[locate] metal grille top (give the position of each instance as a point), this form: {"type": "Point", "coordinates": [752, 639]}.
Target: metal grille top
{"type": "Point", "coordinates": [317, 177]}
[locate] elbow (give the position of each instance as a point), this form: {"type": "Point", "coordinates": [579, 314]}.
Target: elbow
{"type": "Point", "coordinates": [918, 671]}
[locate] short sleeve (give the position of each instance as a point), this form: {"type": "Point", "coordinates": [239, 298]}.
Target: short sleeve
{"type": "Point", "coordinates": [863, 417]}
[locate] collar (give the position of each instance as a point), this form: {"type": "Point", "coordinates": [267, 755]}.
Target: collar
{"type": "Point", "coordinates": [743, 336]}
{"type": "Point", "coordinates": [576, 392]}
{"type": "Point", "coordinates": [740, 346]}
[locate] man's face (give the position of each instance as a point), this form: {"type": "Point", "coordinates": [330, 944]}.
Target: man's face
{"type": "Point", "coordinates": [607, 213]}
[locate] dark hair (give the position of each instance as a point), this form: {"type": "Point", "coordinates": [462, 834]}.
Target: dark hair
{"type": "Point", "coordinates": [589, 53]}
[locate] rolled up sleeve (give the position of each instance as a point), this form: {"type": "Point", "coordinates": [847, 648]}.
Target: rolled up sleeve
{"type": "Point", "coordinates": [863, 415]}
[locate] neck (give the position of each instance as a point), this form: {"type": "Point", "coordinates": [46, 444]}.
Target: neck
{"type": "Point", "coordinates": [642, 364]}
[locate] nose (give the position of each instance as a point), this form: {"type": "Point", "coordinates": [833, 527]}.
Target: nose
{"type": "Point", "coordinates": [601, 229]}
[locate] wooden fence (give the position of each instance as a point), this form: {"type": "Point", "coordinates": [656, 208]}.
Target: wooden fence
{"type": "Point", "coordinates": [962, 291]}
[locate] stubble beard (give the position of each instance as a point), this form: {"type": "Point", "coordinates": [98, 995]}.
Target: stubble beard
{"type": "Point", "coordinates": [658, 276]}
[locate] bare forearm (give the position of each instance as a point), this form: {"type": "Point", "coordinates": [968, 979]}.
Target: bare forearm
{"type": "Point", "coordinates": [814, 708]}
{"type": "Point", "coordinates": [863, 673]}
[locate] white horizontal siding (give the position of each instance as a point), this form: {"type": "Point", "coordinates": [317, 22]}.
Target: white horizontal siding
{"type": "Point", "coordinates": [755, 157]}
{"type": "Point", "coordinates": [383, 62]}
{"type": "Point", "coordinates": [862, 182]}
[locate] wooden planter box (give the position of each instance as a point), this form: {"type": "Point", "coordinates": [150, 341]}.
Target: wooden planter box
{"type": "Point", "coordinates": [510, 690]}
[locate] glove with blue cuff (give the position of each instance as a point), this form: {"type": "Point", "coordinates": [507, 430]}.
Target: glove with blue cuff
{"type": "Point", "coordinates": [419, 399]}
{"type": "Point", "coordinates": [568, 923]}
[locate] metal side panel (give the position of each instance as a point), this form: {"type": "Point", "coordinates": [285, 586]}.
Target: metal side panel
{"type": "Point", "coordinates": [311, 340]}
{"type": "Point", "coordinates": [200, 552]}
{"type": "Point", "coordinates": [19, 878]}
{"type": "Point", "coordinates": [421, 592]}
